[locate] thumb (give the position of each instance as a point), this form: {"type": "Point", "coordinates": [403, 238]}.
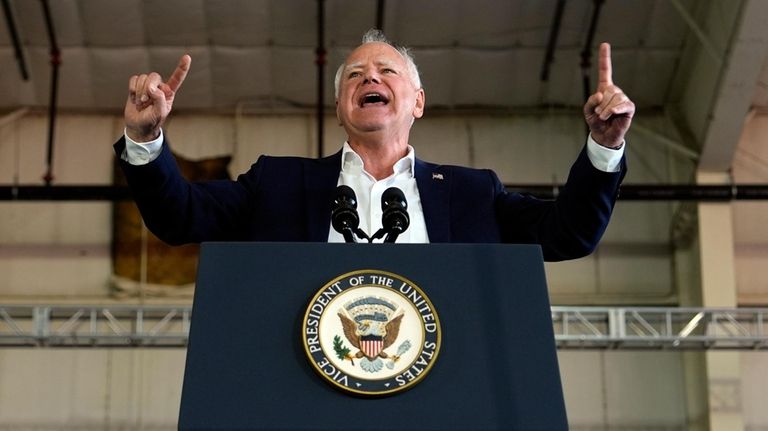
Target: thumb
{"type": "Point", "coordinates": [592, 103]}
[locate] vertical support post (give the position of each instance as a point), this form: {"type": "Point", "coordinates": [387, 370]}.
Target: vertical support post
{"type": "Point", "coordinates": [320, 60]}
{"type": "Point", "coordinates": [718, 286]}
{"type": "Point", "coordinates": [55, 63]}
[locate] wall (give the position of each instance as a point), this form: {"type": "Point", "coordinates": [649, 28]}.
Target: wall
{"type": "Point", "coordinates": [60, 252]}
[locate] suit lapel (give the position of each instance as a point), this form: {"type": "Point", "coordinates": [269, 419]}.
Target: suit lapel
{"type": "Point", "coordinates": [320, 179]}
{"type": "Point", "coordinates": [434, 192]}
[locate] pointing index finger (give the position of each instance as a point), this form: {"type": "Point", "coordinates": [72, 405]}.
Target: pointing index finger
{"type": "Point", "coordinates": [605, 69]}
{"type": "Point", "coordinates": [178, 75]}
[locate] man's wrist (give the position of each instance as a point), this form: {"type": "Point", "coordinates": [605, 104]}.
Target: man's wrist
{"type": "Point", "coordinates": [604, 158]}
{"type": "Point", "coordinates": [141, 137]}
{"type": "Point", "coordinates": [141, 153]}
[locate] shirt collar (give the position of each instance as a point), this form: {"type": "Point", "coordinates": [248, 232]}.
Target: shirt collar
{"type": "Point", "coordinates": [351, 162]}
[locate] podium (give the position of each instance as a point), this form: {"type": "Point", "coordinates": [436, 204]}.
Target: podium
{"type": "Point", "coordinates": [247, 367]}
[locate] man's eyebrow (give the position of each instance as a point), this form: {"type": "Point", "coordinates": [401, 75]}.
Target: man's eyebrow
{"type": "Point", "coordinates": [383, 62]}
{"type": "Point", "coordinates": [353, 65]}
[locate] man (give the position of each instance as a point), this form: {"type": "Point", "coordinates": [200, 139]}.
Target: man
{"type": "Point", "coordinates": [378, 98]}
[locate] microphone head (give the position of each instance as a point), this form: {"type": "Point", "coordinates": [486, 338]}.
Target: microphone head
{"type": "Point", "coordinates": [345, 196]}
{"type": "Point", "coordinates": [344, 213]}
{"type": "Point", "coordinates": [393, 197]}
{"type": "Point", "coordinates": [394, 210]}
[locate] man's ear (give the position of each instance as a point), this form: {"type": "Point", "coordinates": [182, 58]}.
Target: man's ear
{"type": "Point", "coordinates": [338, 117]}
{"type": "Point", "coordinates": [418, 109]}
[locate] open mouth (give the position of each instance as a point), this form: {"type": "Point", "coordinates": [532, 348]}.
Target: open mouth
{"type": "Point", "coordinates": [373, 99]}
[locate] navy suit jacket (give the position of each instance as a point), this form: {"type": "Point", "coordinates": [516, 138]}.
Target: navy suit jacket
{"type": "Point", "coordinates": [290, 198]}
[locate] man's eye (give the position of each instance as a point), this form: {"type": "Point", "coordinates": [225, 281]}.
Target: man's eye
{"type": "Point", "coordinates": [354, 74]}
{"type": "Point", "coordinates": [388, 71]}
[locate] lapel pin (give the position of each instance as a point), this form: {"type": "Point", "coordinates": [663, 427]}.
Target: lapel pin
{"type": "Point", "coordinates": [436, 176]}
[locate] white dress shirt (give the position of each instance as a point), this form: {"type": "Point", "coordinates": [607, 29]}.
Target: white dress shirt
{"type": "Point", "coordinates": [369, 190]}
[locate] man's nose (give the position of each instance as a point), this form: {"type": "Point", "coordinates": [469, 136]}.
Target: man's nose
{"type": "Point", "coordinates": [371, 77]}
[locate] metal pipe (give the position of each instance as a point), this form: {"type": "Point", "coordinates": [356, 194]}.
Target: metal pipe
{"type": "Point", "coordinates": [549, 56]}
{"type": "Point", "coordinates": [628, 192]}
{"type": "Point", "coordinates": [380, 15]}
{"type": "Point", "coordinates": [17, 51]}
{"type": "Point", "coordinates": [320, 60]}
{"type": "Point", "coordinates": [55, 63]}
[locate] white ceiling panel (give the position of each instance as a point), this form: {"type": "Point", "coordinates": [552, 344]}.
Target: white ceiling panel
{"type": "Point", "coordinates": [240, 74]}
{"type": "Point", "coordinates": [238, 22]}
{"type": "Point", "coordinates": [29, 22]}
{"type": "Point", "coordinates": [110, 70]}
{"type": "Point", "coordinates": [293, 23]}
{"type": "Point", "coordinates": [168, 24]}
{"type": "Point", "coordinates": [472, 53]}
{"type": "Point", "coordinates": [348, 20]}
{"type": "Point", "coordinates": [438, 72]}
{"type": "Point", "coordinates": [293, 81]}
{"type": "Point", "coordinates": [491, 23]}
{"type": "Point", "coordinates": [649, 80]}
{"type": "Point", "coordinates": [495, 70]}
{"type": "Point", "coordinates": [68, 23]}
{"type": "Point", "coordinates": [565, 83]}
{"type": "Point", "coordinates": [423, 23]}
{"type": "Point", "coordinates": [624, 23]}
{"type": "Point", "coordinates": [117, 23]}
{"type": "Point", "coordinates": [665, 26]}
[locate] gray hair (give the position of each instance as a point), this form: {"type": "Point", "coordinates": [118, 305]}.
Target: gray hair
{"type": "Point", "coordinates": [376, 35]}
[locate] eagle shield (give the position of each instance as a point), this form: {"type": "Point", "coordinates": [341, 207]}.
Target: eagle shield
{"type": "Point", "coordinates": [371, 327]}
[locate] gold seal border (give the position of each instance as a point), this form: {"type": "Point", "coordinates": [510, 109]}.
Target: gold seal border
{"type": "Point", "coordinates": [406, 386]}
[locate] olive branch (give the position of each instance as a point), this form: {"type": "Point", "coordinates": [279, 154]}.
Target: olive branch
{"type": "Point", "coordinates": [342, 352]}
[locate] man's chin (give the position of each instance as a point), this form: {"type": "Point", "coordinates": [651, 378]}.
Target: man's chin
{"type": "Point", "coordinates": [369, 126]}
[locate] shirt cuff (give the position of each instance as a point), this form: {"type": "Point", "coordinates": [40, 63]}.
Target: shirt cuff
{"type": "Point", "coordinates": [141, 153]}
{"type": "Point", "coordinates": [603, 158]}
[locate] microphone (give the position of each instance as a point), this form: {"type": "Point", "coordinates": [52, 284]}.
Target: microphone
{"type": "Point", "coordinates": [344, 218]}
{"type": "Point", "coordinates": [394, 218]}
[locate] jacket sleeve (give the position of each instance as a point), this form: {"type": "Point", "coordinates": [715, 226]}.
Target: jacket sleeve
{"type": "Point", "coordinates": [568, 227]}
{"type": "Point", "coordinates": [180, 212]}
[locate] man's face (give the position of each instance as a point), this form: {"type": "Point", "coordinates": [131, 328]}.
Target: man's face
{"type": "Point", "coordinates": [376, 92]}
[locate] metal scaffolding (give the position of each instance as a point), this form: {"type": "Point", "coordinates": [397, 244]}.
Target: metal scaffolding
{"type": "Point", "coordinates": [654, 328]}
{"type": "Point", "coordinates": [94, 326]}
{"type": "Point", "coordinates": [660, 328]}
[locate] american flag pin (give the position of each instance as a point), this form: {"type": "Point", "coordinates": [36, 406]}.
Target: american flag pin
{"type": "Point", "coordinates": [436, 176]}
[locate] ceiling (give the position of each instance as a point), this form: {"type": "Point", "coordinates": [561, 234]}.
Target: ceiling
{"type": "Point", "coordinates": [702, 58]}
{"type": "Point", "coordinates": [479, 53]}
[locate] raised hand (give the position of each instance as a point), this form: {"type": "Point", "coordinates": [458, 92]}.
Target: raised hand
{"type": "Point", "coordinates": [150, 100]}
{"type": "Point", "coordinates": [608, 111]}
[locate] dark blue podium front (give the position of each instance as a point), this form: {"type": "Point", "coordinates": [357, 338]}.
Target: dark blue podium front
{"type": "Point", "coordinates": [246, 366]}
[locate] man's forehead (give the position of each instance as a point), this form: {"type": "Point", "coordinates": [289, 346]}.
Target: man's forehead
{"type": "Point", "coordinates": [380, 53]}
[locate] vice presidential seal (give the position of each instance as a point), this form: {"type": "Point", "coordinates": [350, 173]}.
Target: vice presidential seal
{"type": "Point", "coordinates": [371, 332]}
